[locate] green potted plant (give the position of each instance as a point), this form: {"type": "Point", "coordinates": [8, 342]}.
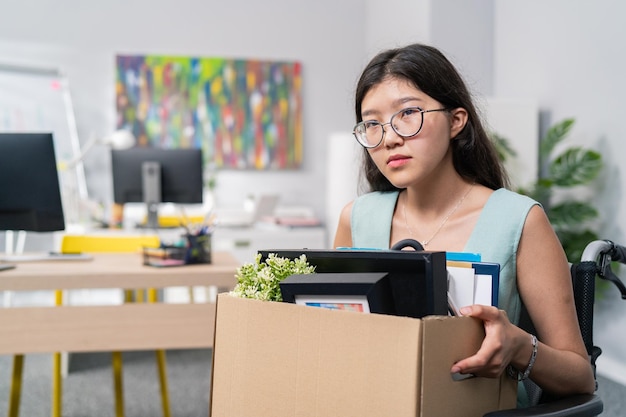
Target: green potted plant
{"type": "Point", "coordinates": [573, 167]}
{"type": "Point", "coordinates": [260, 280]}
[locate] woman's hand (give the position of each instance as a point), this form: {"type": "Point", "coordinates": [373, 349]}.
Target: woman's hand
{"type": "Point", "coordinates": [499, 348]}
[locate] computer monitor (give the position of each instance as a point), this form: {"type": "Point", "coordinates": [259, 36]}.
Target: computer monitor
{"type": "Point", "coordinates": [30, 197]}
{"type": "Point", "coordinates": [418, 279]}
{"type": "Point", "coordinates": [155, 175]}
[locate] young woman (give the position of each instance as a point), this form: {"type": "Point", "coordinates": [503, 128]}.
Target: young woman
{"type": "Point", "coordinates": [436, 178]}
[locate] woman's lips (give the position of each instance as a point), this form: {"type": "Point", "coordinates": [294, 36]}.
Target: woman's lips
{"type": "Point", "coordinates": [396, 161]}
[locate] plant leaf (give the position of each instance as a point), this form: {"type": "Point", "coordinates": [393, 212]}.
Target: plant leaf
{"type": "Point", "coordinates": [554, 135]}
{"type": "Point", "coordinates": [503, 147]}
{"type": "Point", "coordinates": [575, 166]}
{"type": "Point", "coordinates": [570, 214]}
{"type": "Point", "coordinates": [261, 280]}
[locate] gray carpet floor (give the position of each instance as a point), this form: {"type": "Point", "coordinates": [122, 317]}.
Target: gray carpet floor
{"type": "Point", "coordinates": [88, 389]}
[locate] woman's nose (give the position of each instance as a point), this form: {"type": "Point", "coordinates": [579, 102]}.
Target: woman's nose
{"type": "Point", "coordinates": [390, 137]}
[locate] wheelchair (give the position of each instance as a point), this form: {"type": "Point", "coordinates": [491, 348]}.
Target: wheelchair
{"type": "Point", "coordinates": [595, 261]}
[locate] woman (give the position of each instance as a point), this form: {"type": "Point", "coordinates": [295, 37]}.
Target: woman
{"type": "Point", "coordinates": [436, 178]}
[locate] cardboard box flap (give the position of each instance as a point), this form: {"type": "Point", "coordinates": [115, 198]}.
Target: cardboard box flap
{"type": "Point", "coordinates": [277, 359]}
{"type": "Point", "coordinates": [445, 341]}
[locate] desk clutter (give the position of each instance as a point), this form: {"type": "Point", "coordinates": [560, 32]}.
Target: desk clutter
{"type": "Point", "coordinates": [194, 247]}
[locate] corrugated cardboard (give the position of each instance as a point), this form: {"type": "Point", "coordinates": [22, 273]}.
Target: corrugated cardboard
{"type": "Point", "coordinates": [277, 359]}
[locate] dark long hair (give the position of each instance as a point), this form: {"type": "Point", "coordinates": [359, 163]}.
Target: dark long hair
{"type": "Point", "coordinates": [427, 69]}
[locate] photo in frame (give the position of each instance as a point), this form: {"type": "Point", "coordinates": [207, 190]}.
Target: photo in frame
{"type": "Point", "coordinates": [366, 292]}
{"type": "Point", "coordinates": [356, 303]}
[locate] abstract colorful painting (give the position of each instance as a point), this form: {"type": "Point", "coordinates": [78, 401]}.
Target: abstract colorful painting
{"type": "Point", "coordinates": [244, 114]}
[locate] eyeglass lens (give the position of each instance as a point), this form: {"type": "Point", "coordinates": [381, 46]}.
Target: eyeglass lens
{"type": "Point", "coordinates": [406, 123]}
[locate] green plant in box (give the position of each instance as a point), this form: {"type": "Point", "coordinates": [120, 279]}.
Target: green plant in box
{"type": "Point", "coordinates": [260, 280]}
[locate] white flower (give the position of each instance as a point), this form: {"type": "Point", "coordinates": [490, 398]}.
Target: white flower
{"type": "Point", "coordinates": [260, 280]}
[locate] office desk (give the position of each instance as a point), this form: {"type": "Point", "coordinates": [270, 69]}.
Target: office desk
{"type": "Point", "coordinates": [110, 328]}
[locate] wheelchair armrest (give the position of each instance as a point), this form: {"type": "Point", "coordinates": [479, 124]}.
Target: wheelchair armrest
{"type": "Point", "coordinates": [584, 405]}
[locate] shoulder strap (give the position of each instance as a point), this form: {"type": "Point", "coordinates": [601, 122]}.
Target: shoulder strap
{"type": "Point", "coordinates": [496, 237]}
{"type": "Point", "coordinates": [500, 225]}
{"type": "Point", "coordinates": [371, 219]}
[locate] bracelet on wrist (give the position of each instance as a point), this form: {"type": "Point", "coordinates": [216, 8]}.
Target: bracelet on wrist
{"type": "Point", "coordinates": [520, 376]}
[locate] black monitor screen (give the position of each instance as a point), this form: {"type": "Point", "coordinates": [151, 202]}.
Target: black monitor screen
{"type": "Point", "coordinates": [180, 174]}
{"type": "Point", "coordinates": [30, 197]}
{"type": "Point", "coordinates": [418, 280]}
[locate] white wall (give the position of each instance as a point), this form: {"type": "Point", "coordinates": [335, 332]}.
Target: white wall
{"type": "Point", "coordinates": [394, 23]}
{"type": "Point", "coordinates": [463, 30]}
{"type": "Point", "coordinates": [568, 56]}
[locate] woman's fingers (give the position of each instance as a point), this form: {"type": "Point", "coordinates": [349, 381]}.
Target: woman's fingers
{"type": "Point", "coordinates": [492, 357]}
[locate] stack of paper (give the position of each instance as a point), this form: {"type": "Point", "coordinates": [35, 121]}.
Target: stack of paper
{"type": "Point", "coordinates": [473, 283]}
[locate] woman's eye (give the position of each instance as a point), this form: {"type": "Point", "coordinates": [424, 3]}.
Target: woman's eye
{"type": "Point", "coordinates": [371, 125]}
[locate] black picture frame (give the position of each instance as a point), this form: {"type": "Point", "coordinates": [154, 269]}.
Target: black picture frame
{"type": "Point", "coordinates": [418, 279]}
{"type": "Point", "coordinates": [368, 292]}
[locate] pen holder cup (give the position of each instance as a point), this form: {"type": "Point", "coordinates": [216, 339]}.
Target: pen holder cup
{"type": "Point", "coordinates": [198, 249]}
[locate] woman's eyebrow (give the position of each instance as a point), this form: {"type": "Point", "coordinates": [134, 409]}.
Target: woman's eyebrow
{"type": "Point", "coordinates": [408, 99]}
{"type": "Point", "coordinates": [397, 102]}
{"type": "Point", "coordinates": [369, 113]}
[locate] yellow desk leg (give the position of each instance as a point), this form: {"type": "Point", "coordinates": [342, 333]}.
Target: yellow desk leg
{"type": "Point", "coordinates": [165, 398]}
{"type": "Point", "coordinates": [116, 360]}
{"type": "Point", "coordinates": [16, 386]}
{"type": "Point", "coordinates": [57, 383]}
{"type": "Point", "coordinates": [160, 355]}
{"type": "Point", "coordinates": [117, 383]}
{"type": "Point", "coordinates": [139, 296]}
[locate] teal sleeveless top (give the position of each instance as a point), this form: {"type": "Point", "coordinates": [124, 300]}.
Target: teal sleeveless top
{"type": "Point", "coordinates": [496, 234]}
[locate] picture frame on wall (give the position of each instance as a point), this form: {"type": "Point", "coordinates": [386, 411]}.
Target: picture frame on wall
{"type": "Point", "coordinates": [243, 113]}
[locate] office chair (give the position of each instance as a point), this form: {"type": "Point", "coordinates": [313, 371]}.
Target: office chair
{"type": "Point", "coordinates": [595, 261]}
{"type": "Point", "coordinates": [95, 244]}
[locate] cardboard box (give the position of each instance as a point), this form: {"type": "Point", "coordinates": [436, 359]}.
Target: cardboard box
{"type": "Point", "coordinates": [277, 359]}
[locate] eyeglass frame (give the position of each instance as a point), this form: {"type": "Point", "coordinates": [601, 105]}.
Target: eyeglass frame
{"type": "Point", "coordinates": [382, 125]}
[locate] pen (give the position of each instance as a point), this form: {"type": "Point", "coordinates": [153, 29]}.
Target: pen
{"type": "Point", "coordinates": [184, 221]}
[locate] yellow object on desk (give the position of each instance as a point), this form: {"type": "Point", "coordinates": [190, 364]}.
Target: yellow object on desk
{"type": "Point", "coordinates": [175, 221]}
{"type": "Point", "coordinates": [108, 244]}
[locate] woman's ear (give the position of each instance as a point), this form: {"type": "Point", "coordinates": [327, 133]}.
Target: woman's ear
{"type": "Point", "coordinates": [458, 120]}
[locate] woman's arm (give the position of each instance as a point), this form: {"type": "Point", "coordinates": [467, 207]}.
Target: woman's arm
{"type": "Point", "coordinates": [543, 278]}
{"type": "Point", "coordinates": [545, 285]}
{"type": "Point", "coordinates": [343, 236]}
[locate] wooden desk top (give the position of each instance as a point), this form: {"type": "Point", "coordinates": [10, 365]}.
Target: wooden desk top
{"type": "Point", "coordinates": [124, 271]}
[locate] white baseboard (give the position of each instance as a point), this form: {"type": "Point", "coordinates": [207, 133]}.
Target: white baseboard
{"type": "Point", "coordinates": [612, 369]}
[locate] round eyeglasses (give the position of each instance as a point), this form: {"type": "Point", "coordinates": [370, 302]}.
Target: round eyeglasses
{"type": "Point", "coordinates": [406, 123]}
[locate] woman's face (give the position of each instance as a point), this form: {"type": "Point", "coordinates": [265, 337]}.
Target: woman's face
{"type": "Point", "coordinates": [404, 161]}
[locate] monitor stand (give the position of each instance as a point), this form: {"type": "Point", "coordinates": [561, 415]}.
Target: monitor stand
{"type": "Point", "coordinates": [151, 181]}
